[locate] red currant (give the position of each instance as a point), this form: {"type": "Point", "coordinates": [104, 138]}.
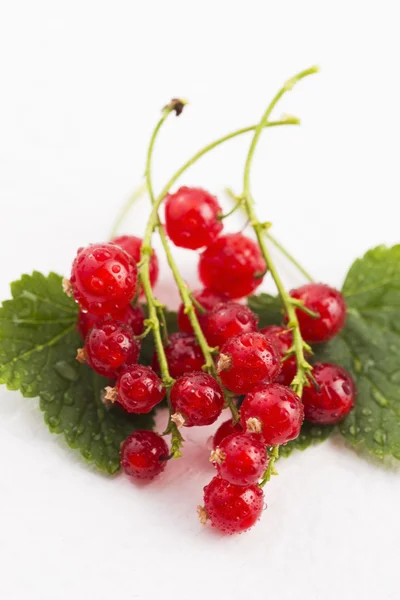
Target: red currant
{"type": "Point", "coordinates": [228, 320]}
{"type": "Point", "coordinates": [111, 345]}
{"type": "Point", "coordinates": [232, 508]}
{"type": "Point", "coordinates": [283, 340]}
{"type": "Point", "coordinates": [139, 389]}
{"type": "Point", "coordinates": [232, 265]}
{"type": "Point", "coordinates": [274, 410]}
{"type": "Point", "coordinates": [132, 316]}
{"type": "Point", "coordinates": [330, 306]}
{"type": "Point", "coordinates": [133, 245]}
{"type": "Point", "coordinates": [198, 398]}
{"type": "Point", "coordinates": [144, 454]}
{"type": "Point", "coordinates": [183, 355]}
{"type": "Point", "coordinates": [332, 398]}
{"type": "Point", "coordinates": [103, 278]}
{"type": "Point", "coordinates": [207, 300]}
{"type": "Point", "coordinates": [226, 428]}
{"type": "Point", "coordinates": [191, 218]}
{"type": "Point", "coordinates": [241, 458]}
{"type": "Point", "coordinates": [246, 360]}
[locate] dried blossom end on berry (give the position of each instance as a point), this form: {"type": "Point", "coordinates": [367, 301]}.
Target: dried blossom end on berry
{"type": "Point", "coordinates": [81, 355]}
{"type": "Point", "coordinates": [217, 456]}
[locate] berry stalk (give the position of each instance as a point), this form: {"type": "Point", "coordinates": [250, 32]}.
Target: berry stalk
{"type": "Point", "coordinates": [136, 194]}
{"type": "Point", "coordinates": [184, 291]}
{"type": "Point", "coordinates": [238, 203]}
{"type": "Point", "coordinates": [299, 345]}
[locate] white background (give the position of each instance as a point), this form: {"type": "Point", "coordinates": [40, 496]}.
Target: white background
{"type": "Point", "coordinates": [82, 83]}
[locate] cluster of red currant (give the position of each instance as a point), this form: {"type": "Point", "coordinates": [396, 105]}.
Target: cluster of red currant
{"type": "Point", "coordinates": [255, 372]}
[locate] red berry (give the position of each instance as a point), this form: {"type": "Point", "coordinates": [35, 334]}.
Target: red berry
{"type": "Point", "coordinates": [232, 265]}
{"type": "Point", "coordinates": [226, 428]}
{"type": "Point", "coordinates": [103, 278]}
{"type": "Point", "coordinates": [111, 345]}
{"type": "Point", "coordinates": [139, 389]}
{"type": "Point", "coordinates": [328, 303]}
{"type": "Point", "coordinates": [133, 245]}
{"type": "Point", "coordinates": [207, 300]}
{"type": "Point", "coordinates": [335, 397]}
{"type": "Point", "coordinates": [241, 458]}
{"type": "Point", "coordinates": [198, 398]}
{"type": "Point", "coordinates": [283, 340]}
{"type": "Point", "coordinates": [246, 360]}
{"type": "Point", "coordinates": [144, 454]}
{"type": "Point", "coordinates": [132, 316]}
{"type": "Point", "coordinates": [232, 508]}
{"type": "Point", "coordinates": [191, 218]}
{"type": "Point", "coordinates": [183, 355]}
{"type": "Point", "coordinates": [278, 410]}
{"type": "Point", "coordinates": [228, 320]}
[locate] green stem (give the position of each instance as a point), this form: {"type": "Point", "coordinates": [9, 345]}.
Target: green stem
{"type": "Point", "coordinates": [289, 256]}
{"type": "Point", "coordinates": [152, 302]}
{"type": "Point", "coordinates": [136, 194]}
{"type": "Point", "coordinates": [184, 291]}
{"type": "Point", "coordinates": [302, 365]}
{"type": "Point", "coordinates": [268, 235]}
{"type": "Point", "coordinates": [273, 457]}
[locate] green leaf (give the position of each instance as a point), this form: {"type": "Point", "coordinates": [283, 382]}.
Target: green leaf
{"type": "Point", "coordinates": [268, 308]}
{"type": "Point", "coordinates": [310, 435]}
{"type": "Point", "coordinates": [38, 343]}
{"type": "Point", "coordinates": [369, 347]}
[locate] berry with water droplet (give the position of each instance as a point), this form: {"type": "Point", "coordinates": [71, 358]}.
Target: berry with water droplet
{"type": "Point", "coordinates": [139, 389]}
{"type": "Point", "coordinates": [111, 345]}
{"type": "Point", "coordinates": [132, 316]}
{"type": "Point", "coordinates": [232, 508]}
{"type": "Point", "coordinates": [226, 428]}
{"type": "Point", "coordinates": [278, 411]}
{"type": "Point", "coordinates": [241, 458]}
{"type": "Point", "coordinates": [144, 455]}
{"type": "Point", "coordinates": [283, 340]}
{"type": "Point", "coordinates": [191, 218]}
{"type": "Point", "coordinates": [198, 398]}
{"type": "Point", "coordinates": [247, 359]}
{"type": "Point", "coordinates": [333, 396]}
{"type": "Point", "coordinates": [133, 245]}
{"type": "Point", "coordinates": [207, 300]}
{"type": "Point", "coordinates": [228, 320]}
{"type": "Point", "coordinates": [232, 265]}
{"type": "Point", "coordinates": [328, 304]}
{"type": "Point", "coordinates": [103, 278]}
{"type": "Point", "coordinates": [183, 355]}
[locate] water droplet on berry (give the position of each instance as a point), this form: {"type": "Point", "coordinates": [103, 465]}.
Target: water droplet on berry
{"type": "Point", "coordinates": [116, 268]}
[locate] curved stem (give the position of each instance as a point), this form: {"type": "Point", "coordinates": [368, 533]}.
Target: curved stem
{"type": "Point", "coordinates": [184, 292]}
{"type": "Point", "coordinates": [152, 302]}
{"type": "Point", "coordinates": [136, 194]}
{"type": "Point", "coordinates": [288, 86]}
{"type": "Point", "coordinates": [289, 256]}
{"type": "Point", "coordinates": [239, 204]}
{"type": "Point", "coordinates": [303, 367]}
